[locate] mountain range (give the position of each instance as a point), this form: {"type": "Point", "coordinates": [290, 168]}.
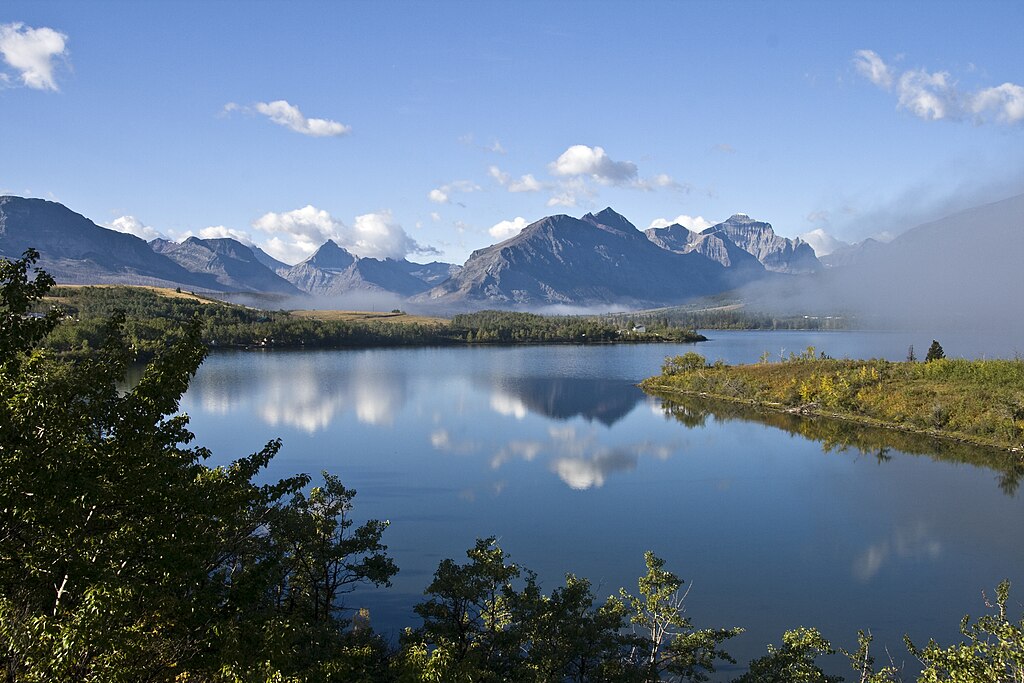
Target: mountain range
{"type": "Point", "coordinates": [598, 260]}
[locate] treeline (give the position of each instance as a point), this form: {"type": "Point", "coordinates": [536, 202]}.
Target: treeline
{"type": "Point", "coordinates": [123, 557]}
{"type": "Point", "coordinates": [729, 318]}
{"type": "Point", "coordinates": [512, 327]}
{"type": "Point", "coordinates": [151, 317]}
{"type": "Point", "coordinates": [979, 401]}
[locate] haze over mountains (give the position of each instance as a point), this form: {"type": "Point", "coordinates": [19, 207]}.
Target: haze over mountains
{"type": "Point", "coordinates": [599, 260]}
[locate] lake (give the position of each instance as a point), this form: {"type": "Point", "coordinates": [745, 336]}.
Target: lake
{"type": "Point", "coordinates": [555, 451]}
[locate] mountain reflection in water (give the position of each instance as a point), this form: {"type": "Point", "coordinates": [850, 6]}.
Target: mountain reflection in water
{"type": "Point", "coordinates": [603, 400]}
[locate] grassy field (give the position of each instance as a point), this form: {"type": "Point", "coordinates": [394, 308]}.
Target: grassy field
{"type": "Point", "coordinates": [979, 401]}
{"type": "Point", "coordinates": [159, 291]}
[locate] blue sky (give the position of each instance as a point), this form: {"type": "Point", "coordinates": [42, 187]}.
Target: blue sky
{"type": "Point", "coordinates": [428, 129]}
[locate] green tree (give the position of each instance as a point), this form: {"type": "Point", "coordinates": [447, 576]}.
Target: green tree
{"type": "Point", "coordinates": [935, 352]}
{"type": "Point", "coordinates": [794, 661]}
{"type": "Point", "coordinates": [670, 644]}
{"type": "Point", "coordinates": [687, 362]}
{"type": "Point", "coordinates": [993, 651]}
{"type": "Point", "coordinates": [570, 638]}
{"type": "Point", "coordinates": [467, 619]}
{"type": "Point", "coordinates": [122, 556]}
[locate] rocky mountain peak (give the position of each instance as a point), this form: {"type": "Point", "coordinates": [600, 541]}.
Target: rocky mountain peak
{"type": "Point", "coordinates": [330, 256]}
{"type": "Point", "coordinates": [610, 218]}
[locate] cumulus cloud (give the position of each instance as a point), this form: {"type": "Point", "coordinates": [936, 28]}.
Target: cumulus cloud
{"type": "Point", "coordinates": [32, 52]}
{"type": "Point", "coordinates": [1006, 100]}
{"type": "Point", "coordinates": [935, 96]}
{"type": "Point", "coordinates": [694, 223]}
{"type": "Point", "coordinates": [223, 232]}
{"type": "Point", "coordinates": [929, 96]}
{"type": "Point", "coordinates": [438, 196]}
{"type": "Point", "coordinates": [298, 233]}
{"type": "Point", "coordinates": [593, 162]}
{"type": "Point", "coordinates": [133, 226]}
{"type": "Point", "coordinates": [378, 235]}
{"type": "Point", "coordinates": [288, 115]}
{"type": "Point", "coordinates": [525, 183]}
{"type": "Point", "coordinates": [507, 229]}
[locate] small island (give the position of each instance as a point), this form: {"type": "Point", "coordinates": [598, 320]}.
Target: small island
{"type": "Point", "coordinates": [973, 401]}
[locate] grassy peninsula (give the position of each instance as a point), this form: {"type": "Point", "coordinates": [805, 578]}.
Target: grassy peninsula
{"type": "Point", "coordinates": [974, 401]}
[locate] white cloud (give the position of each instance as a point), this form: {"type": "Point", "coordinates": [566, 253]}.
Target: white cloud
{"type": "Point", "coordinates": [660, 182]}
{"type": "Point", "coordinates": [288, 115]}
{"type": "Point", "coordinates": [377, 235]}
{"type": "Point", "coordinates": [564, 198]}
{"type": "Point", "coordinates": [1007, 100]}
{"type": "Point", "coordinates": [929, 96]}
{"type": "Point", "coordinates": [297, 234]}
{"type": "Point", "coordinates": [290, 250]}
{"type": "Point", "coordinates": [32, 52]}
{"type": "Point", "coordinates": [822, 242]}
{"type": "Point", "coordinates": [525, 183]}
{"type": "Point", "coordinates": [443, 194]}
{"type": "Point", "coordinates": [871, 66]}
{"type": "Point", "coordinates": [724, 147]}
{"type": "Point", "coordinates": [223, 232]}
{"type": "Point", "coordinates": [694, 223]}
{"type": "Point", "coordinates": [935, 96]}
{"type": "Point", "coordinates": [435, 216]}
{"type": "Point", "coordinates": [593, 162]}
{"type": "Point", "coordinates": [507, 229]}
{"type": "Point", "coordinates": [569, 192]}
{"type": "Point", "coordinates": [133, 226]}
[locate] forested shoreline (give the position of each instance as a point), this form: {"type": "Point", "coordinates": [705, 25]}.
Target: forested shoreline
{"type": "Point", "coordinates": [150, 317]}
{"type": "Point", "coordinates": [125, 558]}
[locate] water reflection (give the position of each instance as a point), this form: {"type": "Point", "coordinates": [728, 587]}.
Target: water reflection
{"type": "Point", "coordinates": [839, 435]}
{"type": "Point", "coordinates": [581, 460]}
{"type": "Point", "coordinates": [908, 542]}
{"type": "Point", "coordinates": [603, 400]}
{"type": "Point", "coordinates": [305, 391]}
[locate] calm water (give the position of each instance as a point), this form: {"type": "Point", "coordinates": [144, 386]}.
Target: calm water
{"type": "Point", "coordinates": [556, 452]}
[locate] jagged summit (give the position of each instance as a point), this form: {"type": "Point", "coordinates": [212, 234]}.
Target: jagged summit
{"type": "Point", "coordinates": [776, 253]}
{"type": "Point", "coordinates": [610, 218]}
{"type": "Point", "coordinates": [234, 265]}
{"type": "Point", "coordinates": [330, 256]}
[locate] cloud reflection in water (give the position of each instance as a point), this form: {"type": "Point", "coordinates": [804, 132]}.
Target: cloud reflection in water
{"type": "Point", "coordinates": [307, 393]}
{"type": "Point", "coordinates": [911, 541]}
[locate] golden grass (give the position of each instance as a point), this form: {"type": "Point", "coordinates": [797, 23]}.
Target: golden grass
{"type": "Point", "coordinates": [160, 291]}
